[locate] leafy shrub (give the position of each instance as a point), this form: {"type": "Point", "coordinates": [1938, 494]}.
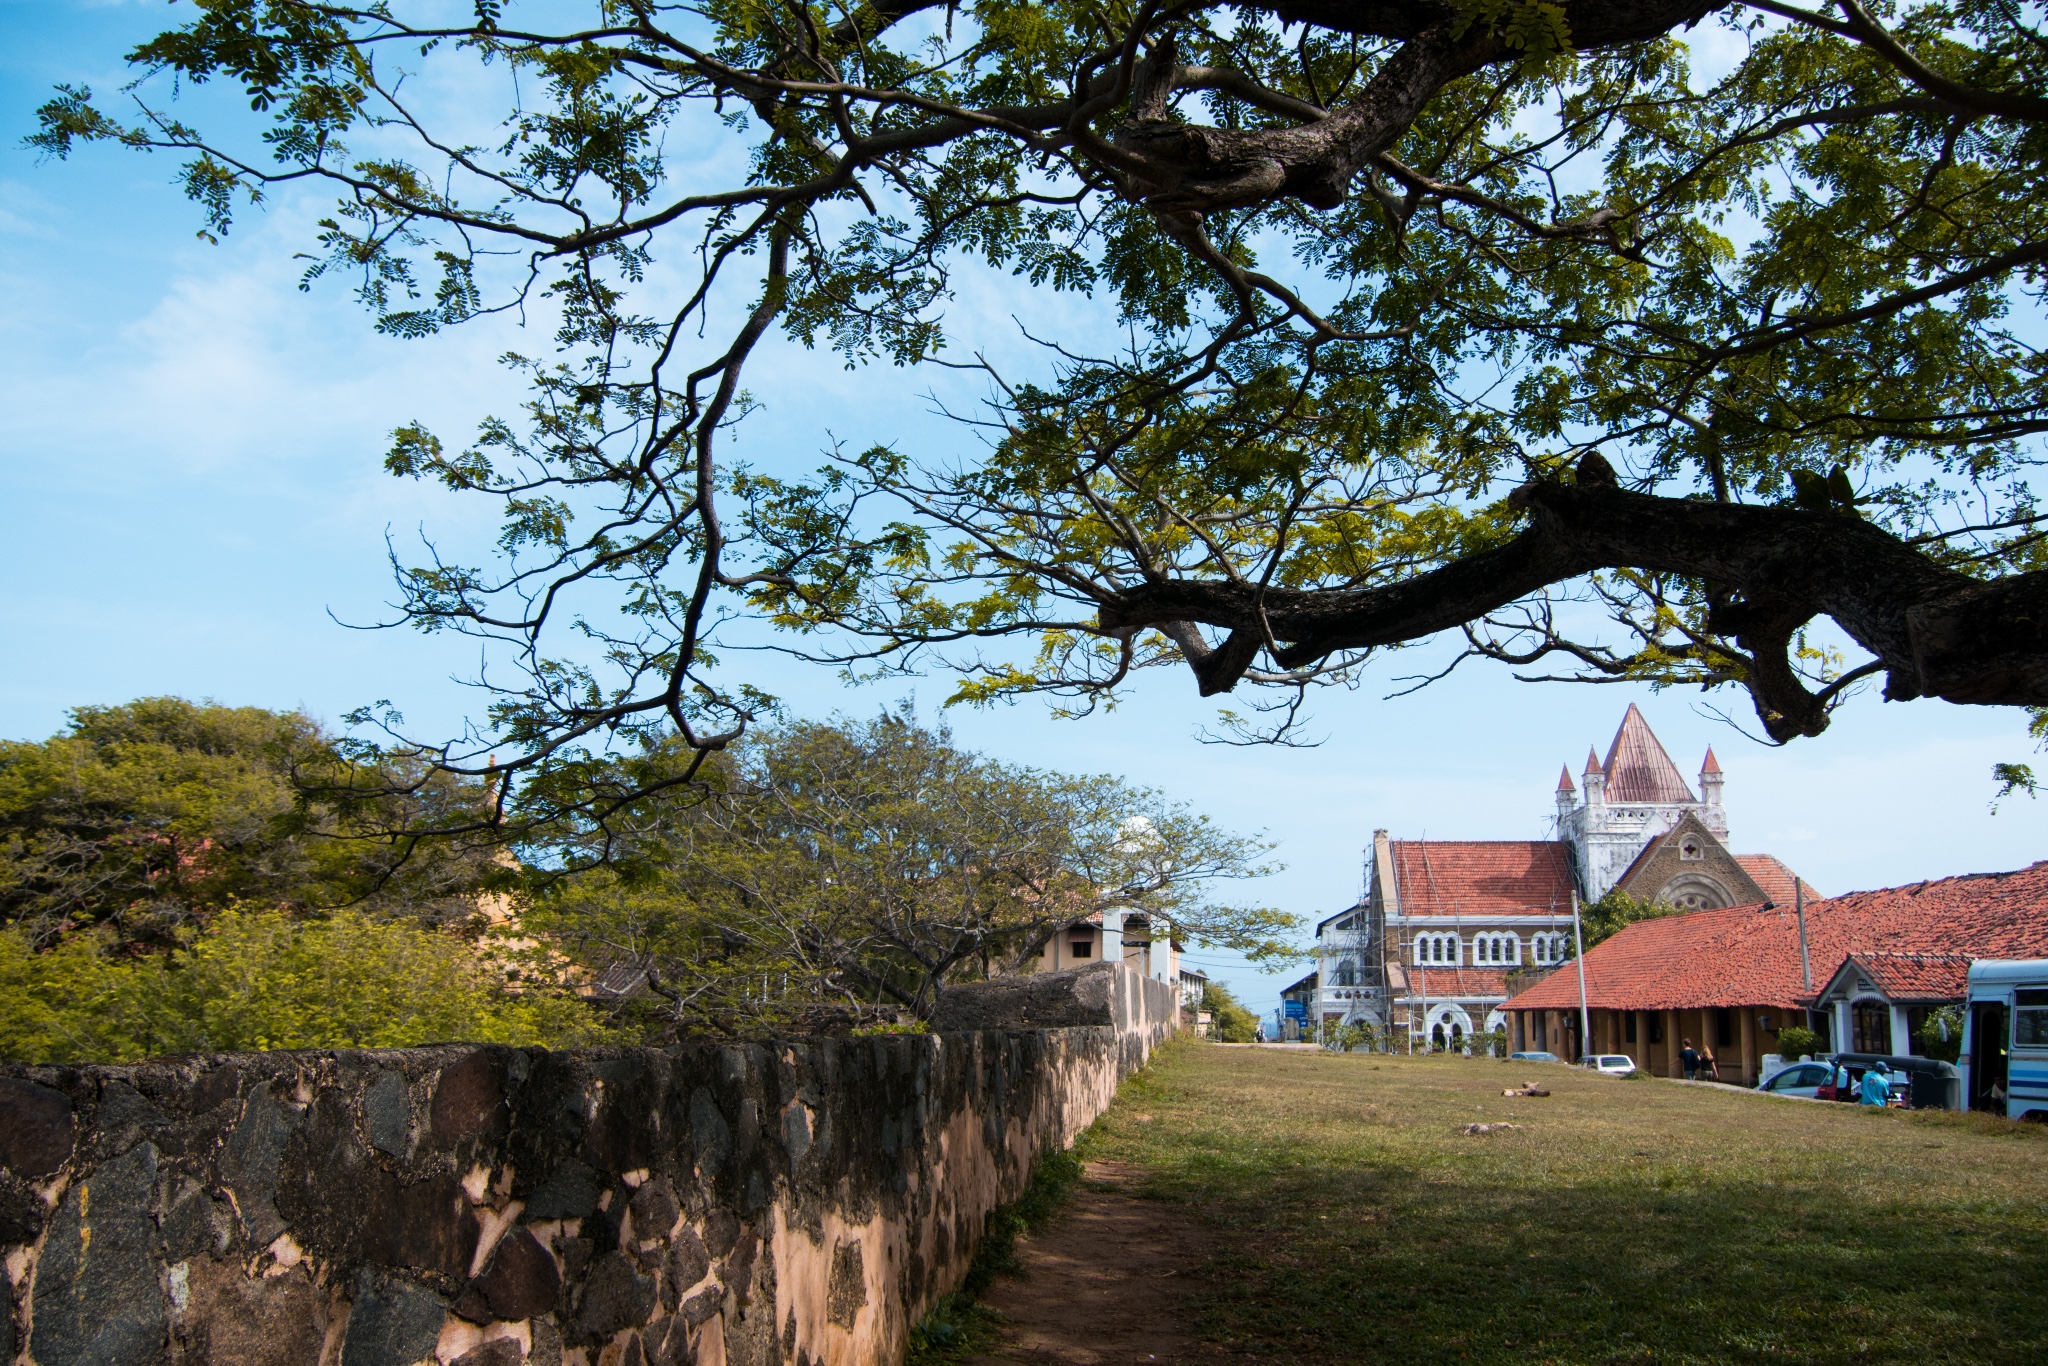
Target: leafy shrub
{"type": "Point", "coordinates": [260, 979]}
{"type": "Point", "coordinates": [1796, 1042]}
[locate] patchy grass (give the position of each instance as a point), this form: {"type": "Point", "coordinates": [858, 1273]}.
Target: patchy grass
{"type": "Point", "coordinates": [1649, 1222]}
{"type": "Point", "coordinates": [959, 1326]}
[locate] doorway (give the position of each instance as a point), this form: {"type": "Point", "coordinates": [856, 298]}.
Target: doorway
{"type": "Point", "coordinates": [1988, 1047]}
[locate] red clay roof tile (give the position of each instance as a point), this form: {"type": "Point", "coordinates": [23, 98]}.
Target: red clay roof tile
{"type": "Point", "coordinates": [1482, 877]}
{"type": "Point", "coordinates": [1771, 874]}
{"type": "Point", "coordinates": [1748, 956]}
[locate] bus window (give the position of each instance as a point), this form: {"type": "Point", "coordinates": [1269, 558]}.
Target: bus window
{"type": "Point", "coordinates": [2030, 1018]}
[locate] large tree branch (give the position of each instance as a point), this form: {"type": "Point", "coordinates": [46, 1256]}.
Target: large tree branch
{"type": "Point", "coordinates": [1936, 632]}
{"type": "Point", "coordinates": [1190, 168]}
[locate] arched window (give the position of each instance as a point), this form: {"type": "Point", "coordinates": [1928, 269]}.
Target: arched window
{"type": "Point", "coordinates": [1547, 948]}
{"type": "Point", "coordinates": [1503, 950]}
{"type": "Point", "coordinates": [1347, 973]}
{"type": "Point", "coordinates": [1691, 849]}
{"type": "Point", "coordinates": [1438, 950]}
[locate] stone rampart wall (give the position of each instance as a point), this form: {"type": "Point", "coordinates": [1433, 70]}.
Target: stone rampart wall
{"type": "Point", "coordinates": [804, 1201]}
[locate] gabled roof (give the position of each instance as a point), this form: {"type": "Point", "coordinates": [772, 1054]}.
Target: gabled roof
{"type": "Point", "coordinates": [1749, 956]}
{"type": "Point", "coordinates": [1775, 878]}
{"type": "Point", "coordinates": [1715, 866]}
{"type": "Point", "coordinates": [1482, 877]}
{"type": "Point", "coordinates": [1638, 769]}
{"type": "Point", "coordinates": [1358, 908]}
{"type": "Point", "coordinates": [1736, 956]}
{"type": "Point", "coordinates": [1911, 978]}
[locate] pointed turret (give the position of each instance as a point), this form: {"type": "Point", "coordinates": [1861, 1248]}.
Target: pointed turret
{"type": "Point", "coordinates": [1565, 792]}
{"type": "Point", "coordinates": [1715, 816]}
{"type": "Point", "coordinates": [1596, 781]}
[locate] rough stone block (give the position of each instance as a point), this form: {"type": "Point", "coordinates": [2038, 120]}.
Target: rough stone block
{"type": "Point", "coordinates": [35, 1128]}
{"type": "Point", "coordinates": [391, 1324]}
{"type": "Point", "coordinates": [97, 1300]}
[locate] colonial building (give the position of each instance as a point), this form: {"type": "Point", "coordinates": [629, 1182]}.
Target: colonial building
{"type": "Point", "coordinates": [1863, 971]}
{"type": "Point", "coordinates": [1430, 950]}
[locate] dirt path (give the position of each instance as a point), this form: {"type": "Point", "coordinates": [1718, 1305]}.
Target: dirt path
{"type": "Point", "coordinates": [1109, 1283]}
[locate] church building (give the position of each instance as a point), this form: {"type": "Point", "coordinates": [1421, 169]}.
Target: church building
{"type": "Point", "coordinates": [1430, 949]}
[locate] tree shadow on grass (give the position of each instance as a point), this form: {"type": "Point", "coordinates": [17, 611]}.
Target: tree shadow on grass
{"type": "Point", "coordinates": [1387, 1263]}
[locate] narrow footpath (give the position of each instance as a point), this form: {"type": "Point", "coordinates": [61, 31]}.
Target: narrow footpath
{"type": "Point", "coordinates": [1112, 1281]}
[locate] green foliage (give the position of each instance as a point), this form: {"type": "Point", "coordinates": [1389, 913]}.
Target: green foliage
{"type": "Point", "coordinates": [1796, 1042]}
{"type": "Point", "coordinates": [1940, 1035]}
{"type": "Point", "coordinates": [151, 816]}
{"type": "Point", "coordinates": [1230, 1020]}
{"type": "Point", "coordinates": [1325, 376]}
{"type": "Point", "coordinates": [1603, 919]}
{"type": "Point", "coordinates": [263, 979]}
{"type": "Point", "coordinates": [864, 864]}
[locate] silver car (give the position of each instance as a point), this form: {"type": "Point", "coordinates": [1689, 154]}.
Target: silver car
{"type": "Point", "coordinates": [1800, 1079]}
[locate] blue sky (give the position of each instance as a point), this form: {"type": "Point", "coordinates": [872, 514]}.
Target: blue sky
{"type": "Point", "coordinates": [191, 494]}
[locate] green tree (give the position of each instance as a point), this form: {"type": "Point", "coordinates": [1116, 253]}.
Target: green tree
{"type": "Point", "coordinates": [868, 863]}
{"type": "Point", "coordinates": [264, 979]}
{"type": "Point", "coordinates": [1430, 316]}
{"type": "Point", "coordinates": [1233, 1023]}
{"type": "Point", "coordinates": [151, 816]}
{"type": "Point", "coordinates": [1603, 919]}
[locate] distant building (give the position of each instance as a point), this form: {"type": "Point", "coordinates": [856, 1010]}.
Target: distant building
{"type": "Point", "coordinates": [1872, 967]}
{"type": "Point", "coordinates": [1448, 930]}
{"type": "Point", "coordinates": [1130, 941]}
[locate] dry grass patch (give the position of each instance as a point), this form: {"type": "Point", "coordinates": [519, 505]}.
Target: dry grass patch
{"type": "Point", "coordinates": [1622, 1221]}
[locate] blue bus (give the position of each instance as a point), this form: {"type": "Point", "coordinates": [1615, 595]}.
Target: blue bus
{"type": "Point", "coordinates": [2005, 1038]}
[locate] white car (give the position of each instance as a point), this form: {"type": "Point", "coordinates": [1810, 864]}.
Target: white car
{"type": "Point", "coordinates": [1611, 1064]}
{"type": "Point", "coordinates": [1800, 1079]}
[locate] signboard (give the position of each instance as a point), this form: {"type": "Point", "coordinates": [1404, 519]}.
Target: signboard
{"type": "Point", "coordinates": [1296, 1010]}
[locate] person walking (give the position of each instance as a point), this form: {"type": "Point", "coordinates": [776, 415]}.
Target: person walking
{"type": "Point", "coordinates": [1709, 1069]}
{"type": "Point", "coordinates": [1689, 1060]}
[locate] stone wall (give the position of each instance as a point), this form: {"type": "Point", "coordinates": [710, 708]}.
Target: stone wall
{"type": "Point", "coordinates": [803, 1201]}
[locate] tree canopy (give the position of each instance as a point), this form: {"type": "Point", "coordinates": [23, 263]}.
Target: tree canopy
{"type": "Point", "coordinates": [1531, 320]}
{"type": "Point", "coordinates": [867, 864]}
{"type": "Point", "coordinates": [152, 816]}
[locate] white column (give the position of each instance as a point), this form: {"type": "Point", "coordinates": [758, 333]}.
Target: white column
{"type": "Point", "coordinates": [1845, 1042]}
{"type": "Point", "coordinates": [1902, 1034]}
{"type": "Point", "coordinates": [1112, 936]}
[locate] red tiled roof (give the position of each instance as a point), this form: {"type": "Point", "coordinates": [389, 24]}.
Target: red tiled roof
{"type": "Point", "coordinates": [1748, 956]}
{"type": "Point", "coordinates": [1638, 769]}
{"type": "Point", "coordinates": [1482, 877]}
{"type": "Point", "coordinates": [1771, 874]}
{"type": "Point", "coordinates": [1917, 976]}
{"type": "Point", "coordinates": [1712, 765]}
{"type": "Point", "coordinates": [1458, 984]}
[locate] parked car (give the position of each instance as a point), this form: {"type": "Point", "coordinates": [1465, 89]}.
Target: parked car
{"type": "Point", "coordinates": [1534, 1057]}
{"type": "Point", "coordinates": [1611, 1064]}
{"type": "Point", "coordinates": [1800, 1079]}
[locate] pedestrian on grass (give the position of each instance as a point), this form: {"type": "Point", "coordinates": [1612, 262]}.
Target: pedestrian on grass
{"type": "Point", "coordinates": [1877, 1086]}
{"type": "Point", "coordinates": [1689, 1059]}
{"type": "Point", "coordinates": [1708, 1067]}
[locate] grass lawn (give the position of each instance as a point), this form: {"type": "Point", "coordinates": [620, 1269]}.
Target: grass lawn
{"type": "Point", "coordinates": [1630, 1220]}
